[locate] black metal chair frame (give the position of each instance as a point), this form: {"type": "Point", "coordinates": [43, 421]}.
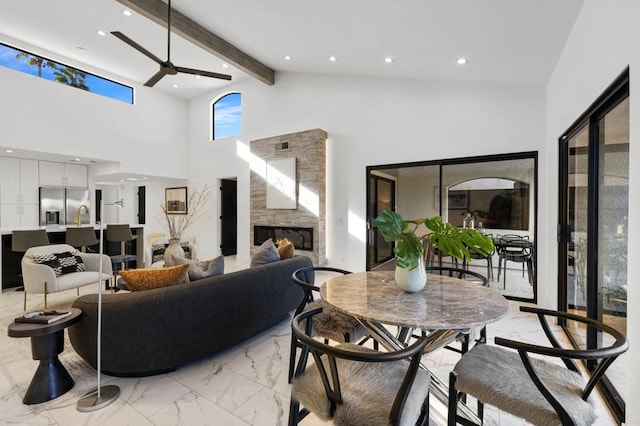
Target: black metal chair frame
{"type": "Point", "coordinates": [605, 355]}
{"type": "Point", "coordinates": [518, 254]}
{"type": "Point", "coordinates": [478, 256]}
{"type": "Point", "coordinates": [331, 381]}
{"type": "Point", "coordinates": [460, 274]}
{"type": "Point", "coordinates": [303, 277]}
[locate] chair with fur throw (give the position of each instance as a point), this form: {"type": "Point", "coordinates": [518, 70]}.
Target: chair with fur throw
{"type": "Point", "coordinates": [330, 324]}
{"type": "Point", "coordinates": [353, 385]}
{"type": "Point", "coordinates": [537, 390]}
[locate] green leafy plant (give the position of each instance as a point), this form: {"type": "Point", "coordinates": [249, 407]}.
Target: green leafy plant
{"type": "Point", "coordinates": [448, 238]}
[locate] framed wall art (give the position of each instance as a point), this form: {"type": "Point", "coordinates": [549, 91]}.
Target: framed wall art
{"type": "Point", "coordinates": [176, 200]}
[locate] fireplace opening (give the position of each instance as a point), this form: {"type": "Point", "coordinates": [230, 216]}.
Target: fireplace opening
{"type": "Point", "coordinates": [301, 238]}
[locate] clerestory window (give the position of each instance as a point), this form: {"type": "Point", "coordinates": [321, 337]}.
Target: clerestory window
{"type": "Point", "coordinates": [39, 66]}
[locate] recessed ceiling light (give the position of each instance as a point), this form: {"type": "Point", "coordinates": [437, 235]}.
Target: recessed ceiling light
{"type": "Point", "coordinates": [197, 75]}
{"type": "Point", "coordinates": [332, 58]}
{"type": "Point", "coordinates": [9, 151]}
{"type": "Point", "coordinates": [461, 61]}
{"type": "Point", "coordinates": [287, 57]}
{"type": "Point", "coordinates": [175, 86]}
{"type": "Point", "coordinates": [127, 12]}
{"type": "Point", "coordinates": [388, 59]}
{"type": "Point", "coordinates": [101, 33]}
{"type": "Point", "coordinates": [76, 160]}
{"type": "Point", "coordinates": [225, 65]}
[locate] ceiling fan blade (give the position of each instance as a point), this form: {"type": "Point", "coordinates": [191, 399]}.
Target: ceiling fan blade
{"type": "Point", "coordinates": [156, 77]}
{"type": "Point", "coordinates": [136, 46]}
{"type": "Point", "coordinates": [203, 73]}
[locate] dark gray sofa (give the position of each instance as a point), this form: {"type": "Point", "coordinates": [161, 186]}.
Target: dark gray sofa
{"type": "Point", "coordinates": [155, 331]}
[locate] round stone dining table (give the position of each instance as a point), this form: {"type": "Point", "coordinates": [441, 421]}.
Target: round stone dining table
{"type": "Point", "coordinates": [445, 303]}
{"type": "Point", "coordinates": [444, 308]}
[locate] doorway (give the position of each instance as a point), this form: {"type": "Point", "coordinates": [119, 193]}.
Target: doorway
{"type": "Point", "coordinates": [228, 217]}
{"type": "Point", "coordinates": [592, 237]}
{"type": "Point", "coordinates": [382, 195]}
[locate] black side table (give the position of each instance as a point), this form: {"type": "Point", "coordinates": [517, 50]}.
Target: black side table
{"type": "Point", "coordinates": [51, 379]}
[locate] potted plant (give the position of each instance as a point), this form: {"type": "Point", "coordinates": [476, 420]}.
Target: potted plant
{"type": "Point", "coordinates": [409, 249]}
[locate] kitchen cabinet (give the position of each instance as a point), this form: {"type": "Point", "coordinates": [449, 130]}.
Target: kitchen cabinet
{"type": "Point", "coordinates": [62, 174]}
{"type": "Point", "coordinates": [19, 204]}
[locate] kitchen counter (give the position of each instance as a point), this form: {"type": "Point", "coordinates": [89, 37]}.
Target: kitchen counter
{"type": "Point", "coordinates": [10, 271]}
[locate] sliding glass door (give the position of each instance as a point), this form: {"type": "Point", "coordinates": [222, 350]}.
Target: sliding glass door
{"type": "Point", "coordinates": [593, 226]}
{"type": "Point", "coordinates": [499, 192]}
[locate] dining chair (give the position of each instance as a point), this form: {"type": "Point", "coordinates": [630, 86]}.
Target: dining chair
{"type": "Point", "coordinates": [528, 381]}
{"type": "Point", "coordinates": [479, 256]}
{"type": "Point", "coordinates": [515, 248]}
{"type": "Point", "coordinates": [473, 277]}
{"type": "Point", "coordinates": [352, 385]}
{"type": "Point", "coordinates": [433, 255]}
{"type": "Point", "coordinates": [331, 324]}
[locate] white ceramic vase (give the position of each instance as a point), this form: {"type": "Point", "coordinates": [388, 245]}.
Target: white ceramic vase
{"type": "Point", "coordinates": [411, 280]}
{"type": "Point", "coordinates": [174, 248]}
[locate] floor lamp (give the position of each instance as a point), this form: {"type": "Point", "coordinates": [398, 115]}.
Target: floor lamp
{"type": "Point", "coordinates": [101, 396]}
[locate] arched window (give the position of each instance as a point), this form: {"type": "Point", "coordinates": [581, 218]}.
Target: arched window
{"type": "Point", "coordinates": [226, 113]}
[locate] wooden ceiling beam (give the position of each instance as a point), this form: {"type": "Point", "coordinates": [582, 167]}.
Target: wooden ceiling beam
{"type": "Point", "coordinates": [156, 10]}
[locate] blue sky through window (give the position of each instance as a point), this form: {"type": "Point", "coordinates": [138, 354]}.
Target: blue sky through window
{"type": "Point", "coordinates": [49, 68]}
{"type": "Point", "coordinates": [227, 116]}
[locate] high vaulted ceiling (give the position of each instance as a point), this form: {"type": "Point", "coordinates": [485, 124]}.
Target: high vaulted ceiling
{"type": "Point", "coordinates": [505, 41]}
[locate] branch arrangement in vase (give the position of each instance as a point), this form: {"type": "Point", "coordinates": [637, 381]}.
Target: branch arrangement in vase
{"type": "Point", "coordinates": [177, 224]}
{"type": "Point", "coordinates": [446, 237]}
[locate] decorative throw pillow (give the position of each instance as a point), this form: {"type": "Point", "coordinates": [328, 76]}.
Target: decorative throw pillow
{"type": "Point", "coordinates": [201, 269]}
{"type": "Point", "coordinates": [147, 279]}
{"type": "Point", "coordinates": [71, 262]}
{"type": "Point", "coordinates": [186, 247]}
{"type": "Point", "coordinates": [62, 263]}
{"type": "Point", "coordinates": [50, 260]}
{"type": "Point", "coordinates": [157, 252]}
{"type": "Point", "coordinates": [266, 253]}
{"type": "Point", "coordinates": [285, 249]}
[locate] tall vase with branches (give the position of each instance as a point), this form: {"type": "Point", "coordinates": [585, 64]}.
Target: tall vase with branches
{"type": "Point", "coordinates": [177, 224]}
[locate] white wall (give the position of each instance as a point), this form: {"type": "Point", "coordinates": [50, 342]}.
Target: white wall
{"type": "Point", "coordinates": [40, 115]}
{"type": "Point", "coordinates": [604, 40]}
{"type": "Point", "coordinates": [370, 122]}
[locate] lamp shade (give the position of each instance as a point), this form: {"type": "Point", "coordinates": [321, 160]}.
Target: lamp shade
{"type": "Point", "coordinates": [81, 237]}
{"type": "Point", "coordinates": [21, 241]}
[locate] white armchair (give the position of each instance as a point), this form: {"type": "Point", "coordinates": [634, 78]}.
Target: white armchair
{"type": "Point", "coordinates": [41, 278]}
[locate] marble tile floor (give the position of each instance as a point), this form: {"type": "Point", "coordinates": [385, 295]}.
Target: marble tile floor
{"type": "Point", "coordinates": [245, 385]}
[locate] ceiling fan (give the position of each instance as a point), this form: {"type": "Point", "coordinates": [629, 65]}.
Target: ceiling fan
{"type": "Point", "coordinates": [166, 67]}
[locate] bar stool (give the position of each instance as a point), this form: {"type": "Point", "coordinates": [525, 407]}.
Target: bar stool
{"type": "Point", "coordinates": [21, 241]}
{"type": "Point", "coordinates": [122, 234]}
{"type": "Point", "coordinates": [81, 237]}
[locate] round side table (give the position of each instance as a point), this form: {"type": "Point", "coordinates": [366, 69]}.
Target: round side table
{"type": "Point", "coordinates": [51, 379]}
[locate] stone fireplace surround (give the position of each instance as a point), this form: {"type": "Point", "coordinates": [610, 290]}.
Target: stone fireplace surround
{"type": "Point", "coordinates": [309, 149]}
